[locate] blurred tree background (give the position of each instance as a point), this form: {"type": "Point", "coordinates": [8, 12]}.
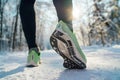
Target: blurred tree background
{"type": "Point", "coordinates": [96, 22]}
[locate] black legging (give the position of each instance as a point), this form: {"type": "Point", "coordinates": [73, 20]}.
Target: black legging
{"type": "Point", "coordinates": [27, 14]}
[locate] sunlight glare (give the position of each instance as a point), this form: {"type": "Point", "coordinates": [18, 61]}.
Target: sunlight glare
{"type": "Point", "coordinates": [76, 13]}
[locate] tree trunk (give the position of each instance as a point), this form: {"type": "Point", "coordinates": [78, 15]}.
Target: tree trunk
{"type": "Point", "coordinates": [20, 36]}
{"type": "Point", "coordinates": [2, 4]}
{"type": "Point", "coordinates": [103, 38]}
{"type": "Point", "coordinates": [15, 28]}
{"type": "Point", "coordinates": [1, 19]}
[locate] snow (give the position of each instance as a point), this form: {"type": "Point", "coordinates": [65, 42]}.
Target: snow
{"type": "Point", "coordinates": [103, 64]}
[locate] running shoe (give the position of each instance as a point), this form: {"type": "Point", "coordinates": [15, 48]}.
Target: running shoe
{"type": "Point", "coordinates": [65, 43]}
{"type": "Point", "coordinates": [33, 59]}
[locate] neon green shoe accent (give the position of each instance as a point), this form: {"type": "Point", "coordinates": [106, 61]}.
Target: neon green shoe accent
{"type": "Point", "coordinates": [66, 29]}
{"type": "Point", "coordinates": [33, 57]}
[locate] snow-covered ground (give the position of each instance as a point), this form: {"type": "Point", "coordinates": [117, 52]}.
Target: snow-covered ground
{"type": "Point", "coordinates": [103, 64]}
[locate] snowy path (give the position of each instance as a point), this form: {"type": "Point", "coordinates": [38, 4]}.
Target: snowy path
{"type": "Point", "coordinates": [103, 64]}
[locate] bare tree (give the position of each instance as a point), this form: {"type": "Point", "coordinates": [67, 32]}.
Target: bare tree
{"type": "Point", "coordinates": [15, 27]}
{"type": "Point", "coordinates": [20, 36]}
{"type": "Point", "coordinates": [2, 4]}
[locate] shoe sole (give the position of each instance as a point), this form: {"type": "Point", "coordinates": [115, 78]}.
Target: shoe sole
{"type": "Point", "coordinates": [70, 60]}
{"type": "Point", "coordinates": [32, 64]}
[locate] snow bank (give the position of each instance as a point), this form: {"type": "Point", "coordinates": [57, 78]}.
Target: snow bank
{"type": "Point", "coordinates": [103, 64]}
